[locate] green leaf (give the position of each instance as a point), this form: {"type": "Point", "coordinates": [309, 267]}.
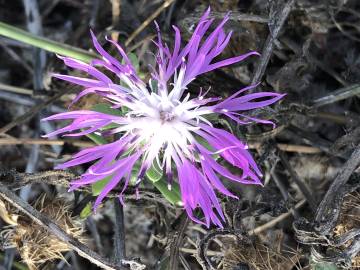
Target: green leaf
{"type": "Point", "coordinates": [98, 186]}
{"type": "Point", "coordinates": [97, 138]}
{"type": "Point", "coordinates": [46, 44]}
{"type": "Point", "coordinates": [106, 108]}
{"type": "Point", "coordinates": [154, 85]}
{"type": "Point", "coordinates": [173, 195]}
{"type": "Point", "coordinates": [134, 61]}
{"type": "Point", "coordinates": [212, 117]}
{"type": "Point", "coordinates": [154, 173]}
{"type": "Point", "coordinates": [110, 126]}
{"type": "Point", "coordinates": [135, 172]}
{"type": "Point", "coordinates": [86, 211]}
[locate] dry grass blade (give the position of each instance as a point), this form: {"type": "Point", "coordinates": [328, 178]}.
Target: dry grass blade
{"type": "Point", "coordinates": [166, 4]}
{"type": "Point", "coordinates": [15, 89]}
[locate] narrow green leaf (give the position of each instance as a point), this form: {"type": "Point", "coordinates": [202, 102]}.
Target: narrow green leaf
{"type": "Point", "coordinates": [46, 44]}
{"type": "Point", "coordinates": [153, 85]}
{"type": "Point", "coordinates": [97, 138]}
{"type": "Point", "coordinates": [106, 108]}
{"type": "Point", "coordinates": [154, 173]}
{"type": "Point", "coordinates": [173, 195]}
{"type": "Point", "coordinates": [134, 61]}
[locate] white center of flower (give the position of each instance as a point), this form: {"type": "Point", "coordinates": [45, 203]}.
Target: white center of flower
{"type": "Point", "coordinates": [167, 116]}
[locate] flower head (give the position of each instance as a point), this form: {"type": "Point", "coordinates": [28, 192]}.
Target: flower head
{"type": "Point", "coordinates": [163, 124]}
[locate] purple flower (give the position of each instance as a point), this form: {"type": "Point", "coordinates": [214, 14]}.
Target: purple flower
{"type": "Point", "coordinates": [163, 124]}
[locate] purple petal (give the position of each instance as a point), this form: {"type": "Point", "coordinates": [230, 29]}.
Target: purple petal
{"type": "Point", "coordinates": [215, 181]}
{"type": "Point", "coordinates": [79, 81]}
{"type": "Point", "coordinates": [123, 170]}
{"type": "Point", "coordinates": [73, 63]}
{"type": "Point", "coordinates": [249, 102]}
{"type": "Point", "coordinates": [229, 61]}
{"type": "Point", "coordinates": [107, 57]}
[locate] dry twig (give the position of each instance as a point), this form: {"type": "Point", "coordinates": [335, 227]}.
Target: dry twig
{"type": "Point", "coordinates": [277, 24]}
{"type": "Point", "coordinates": [166, 4]}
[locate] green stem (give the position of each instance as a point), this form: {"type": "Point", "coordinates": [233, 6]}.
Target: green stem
{"type": "Point", "coordinates": [44, 43]}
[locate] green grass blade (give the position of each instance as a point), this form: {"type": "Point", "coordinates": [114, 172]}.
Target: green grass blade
{"type": "Point", "coordinates": [44, 43]}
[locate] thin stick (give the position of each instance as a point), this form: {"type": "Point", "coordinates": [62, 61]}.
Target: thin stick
{"type": "Point", "coordinates": [15, 89]}
{"type": "Point", "coordinates": [166, 4]}
{"type": "Point", "coordinates": [115, 11]}
{"type": "Point", "coordinates": [119, 232]}
{"type": "Point", "coordinates": [276, 220]}
{"type": "Point", "coordinates": [32, 112]}
{"type": "Point", "coordinates": [302, 186]}
{"type": "Point", "coordinates": [19, 59]}
{"type": "Point", "coordinates": [34, 25]}
{"type": "Point", "coordinates": [141, 42]}
{"type": "Point", "coordinates": [208, 252]}
{"type": "Point", "coordinates": [29, 141]}
{"type": "Point", "coordinates": [234, 16]}
{"type": "Point", "coordinates": [304, 149]}
{"type": "Point", "coordinates": [27, 101]}
{"type": "Point", "coordinates": [270, 41]}
{"type": "Point", "coordinates": [327, 213]}
{"type": "Point", "coordinates": [176, 240]}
